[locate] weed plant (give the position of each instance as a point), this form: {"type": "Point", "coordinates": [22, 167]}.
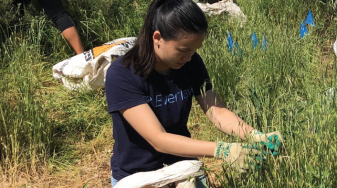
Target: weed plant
{"type": "Point", "coordinates": [286, 88]}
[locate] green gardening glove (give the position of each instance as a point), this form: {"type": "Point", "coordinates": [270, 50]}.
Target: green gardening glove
{"type": "Point", "coordinates": [273, 141]}
{"type": "Point", "coordinates": [239, 156]}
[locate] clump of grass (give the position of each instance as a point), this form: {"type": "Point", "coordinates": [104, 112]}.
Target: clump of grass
{"type": "Point", "coordinates": [25, 132]}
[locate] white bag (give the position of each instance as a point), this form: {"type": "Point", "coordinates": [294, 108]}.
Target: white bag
{"type": "Point", "coordinates": [88, 69]}
{"type": "Point", "coordinates": [223, 6]}
{"type": "Point", "coordinates": [178, 172]}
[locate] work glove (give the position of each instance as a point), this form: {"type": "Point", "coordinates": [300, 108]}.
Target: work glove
{"type": "Point", "coordinates": [239, 156]}
{"type": "Point", "coordinates": [273, 141]}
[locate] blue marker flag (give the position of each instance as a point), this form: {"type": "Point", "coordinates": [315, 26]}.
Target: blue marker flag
{"type": "Point", "coordinates": [239, 49]}
{"type": "Point", "coordinates": [230, 42]}
{"type": "Point", "coordinates": [310, 19]}
{"type": "Point", "coordinates": [303, 30]}
{"type": "Point", "coordinates": [254, 40]}
{"type": "Point", "coordinates": [264, 43]}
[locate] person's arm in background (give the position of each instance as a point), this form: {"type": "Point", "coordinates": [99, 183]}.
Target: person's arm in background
{"type": "Point", "coordinates": [71, 35]}
{"type": "Point", "coordinates": [55, 11]}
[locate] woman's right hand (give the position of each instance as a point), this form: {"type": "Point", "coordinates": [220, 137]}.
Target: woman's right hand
{"type": "Point", "coordinates": [239, 156]}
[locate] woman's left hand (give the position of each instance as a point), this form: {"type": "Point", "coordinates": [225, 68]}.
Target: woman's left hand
{"type": "Point", "coordinates": [273, 141]}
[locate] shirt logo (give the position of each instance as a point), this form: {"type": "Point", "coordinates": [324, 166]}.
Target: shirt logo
{"type": "Point", "coordinates": [173, 97]}
{"type": "Point", "coordinates": [148, 98]}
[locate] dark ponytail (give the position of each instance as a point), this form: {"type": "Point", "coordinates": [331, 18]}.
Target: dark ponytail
{"type": "Point", "coordinates": [170, 18]}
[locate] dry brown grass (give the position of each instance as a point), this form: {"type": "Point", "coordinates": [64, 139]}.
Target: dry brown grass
{"type": "Point", "coordinates": [92, 168]}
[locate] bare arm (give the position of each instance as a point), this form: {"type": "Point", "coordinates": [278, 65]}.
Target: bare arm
{"type": "Point", "coordinates": [145, 122]}
{"type": "Point", "coordinates": [73, 39]}
{"type": "Point", "coordinates": [218, 114]}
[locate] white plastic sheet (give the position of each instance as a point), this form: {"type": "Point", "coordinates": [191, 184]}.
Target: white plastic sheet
{"type": "Point", "coordinates": [178, 172]}
{"type": "Point", "coordinates": [87, 70]}
{"type": "Point", "coordinates": [223, 6]}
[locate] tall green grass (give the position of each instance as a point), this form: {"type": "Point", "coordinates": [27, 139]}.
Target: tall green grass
{"type": "Point", "coordinates": [41, 121]}
{"type": "Point", "coordinates": [25, 132]}
{"type": "Point", "coordinates": [283, 88]}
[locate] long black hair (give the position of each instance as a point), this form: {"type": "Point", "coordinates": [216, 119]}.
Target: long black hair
{"type": "Point", "coordinates": [170, 18]}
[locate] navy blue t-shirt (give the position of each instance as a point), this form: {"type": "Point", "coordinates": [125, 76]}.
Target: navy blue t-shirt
{"type": "Point", "coordinates": [170, 98]}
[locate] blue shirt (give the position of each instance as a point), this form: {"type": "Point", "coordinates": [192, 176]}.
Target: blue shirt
{"type": "Point", "coordinates": [170, 98]}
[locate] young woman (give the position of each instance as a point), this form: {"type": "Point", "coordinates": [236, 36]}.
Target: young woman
{"type": "Point", "coordinates": [149, 92]}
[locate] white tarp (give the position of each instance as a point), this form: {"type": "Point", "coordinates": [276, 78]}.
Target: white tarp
{"type": "Point", "coordinates": [87, 70]}
{"type": "Point", "coordinates": [178, 172]}
{"type": "Point", "coordinates": [223, 6]}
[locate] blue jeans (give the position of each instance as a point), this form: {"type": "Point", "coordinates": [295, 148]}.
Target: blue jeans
{"type": "Point", "coordinates": [201, 182]}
